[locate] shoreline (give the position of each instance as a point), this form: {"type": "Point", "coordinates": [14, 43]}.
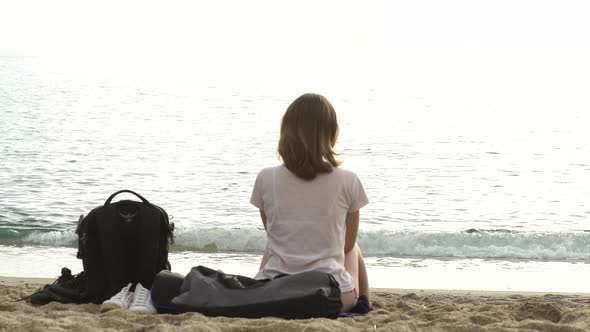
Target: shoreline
{"type": "Point", "coordinates": [384, 272]}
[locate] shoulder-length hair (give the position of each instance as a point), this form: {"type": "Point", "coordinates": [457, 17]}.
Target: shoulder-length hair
{"type": "Point", "coordinates": [309, 130]}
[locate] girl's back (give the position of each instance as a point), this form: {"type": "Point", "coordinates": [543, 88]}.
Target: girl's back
{"type": "Point", "coordinates": [306, 220]}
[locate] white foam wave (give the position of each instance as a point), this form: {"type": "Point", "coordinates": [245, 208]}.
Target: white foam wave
{"type": "Point", "coordinates": [501, 245]}
{"type": "Point", "coordinates": [485, 245]}
{"type": "Point", "coordinates": [244, 240]}
{"type": "Point", "coordinates": [52, 238]}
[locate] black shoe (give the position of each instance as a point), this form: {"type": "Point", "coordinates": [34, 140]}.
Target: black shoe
{"type": "Point", "coordinates": [362, 306]}
{"type": "Point", "coordinates": [70, 291]}
{"type": "Point", "coordinates": [43, 296]}
{"type": "Point", "coordinates": [39, 298]}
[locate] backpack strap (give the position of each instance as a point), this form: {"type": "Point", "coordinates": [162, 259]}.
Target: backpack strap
{"type": "Point", "coordinates": [108, 201]}
{"type": "Point", "coordinates": [145, 267]}
{"type": "Point", "coordinates": [110, 250]}
{"type": "Point", "coordinates": [168, 226]}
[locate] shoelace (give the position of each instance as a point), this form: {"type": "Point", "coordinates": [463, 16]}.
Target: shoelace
{"type": "Point", "coordinates": [66, 275]}
{"type": "Point", "coordinates": [141, 295]}
{"type": "Point", "coordinates": [121, 295]}
{"type": "Point", "coordinates": [76, 281]}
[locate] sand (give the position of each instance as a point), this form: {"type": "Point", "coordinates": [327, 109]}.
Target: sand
{"type": "Point", "coordinates": [396, 310]}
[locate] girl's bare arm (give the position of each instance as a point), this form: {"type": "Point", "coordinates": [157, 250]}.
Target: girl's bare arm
{"type": "Point", "coordinates": [352, 228]}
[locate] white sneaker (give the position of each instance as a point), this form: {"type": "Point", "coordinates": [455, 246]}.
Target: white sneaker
{"type": "Point", "coordinates": [142, 301]}
{"type": "Point", "coordinates": [121, 299]}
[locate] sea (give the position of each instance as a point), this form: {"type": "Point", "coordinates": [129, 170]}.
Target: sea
{"type": "Point", "coordinates": [465, 193]}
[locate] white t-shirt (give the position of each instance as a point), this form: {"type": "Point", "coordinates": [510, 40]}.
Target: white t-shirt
{"type": "Point", "coordinates": [306, 220]}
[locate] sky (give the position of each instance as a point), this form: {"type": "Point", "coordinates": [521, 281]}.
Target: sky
{"type": "Point", "coordinates": [464, 48]}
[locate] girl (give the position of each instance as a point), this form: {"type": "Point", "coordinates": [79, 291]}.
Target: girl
{"type": "Point", "coordinates": [309, 206]}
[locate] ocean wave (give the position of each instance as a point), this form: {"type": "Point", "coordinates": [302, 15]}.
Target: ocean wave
{"type": "Point", "coordinates": [484, 244]}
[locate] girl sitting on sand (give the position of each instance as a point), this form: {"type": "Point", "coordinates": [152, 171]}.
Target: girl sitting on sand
{"type": "Point", "coordinates": [309, 206]}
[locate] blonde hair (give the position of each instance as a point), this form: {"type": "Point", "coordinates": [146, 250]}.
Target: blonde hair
{"type": "Point", "coordinates": [309, 130]}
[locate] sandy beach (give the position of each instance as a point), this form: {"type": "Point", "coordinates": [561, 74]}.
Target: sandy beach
{"type": "Point", "coordinates": [396, 310]}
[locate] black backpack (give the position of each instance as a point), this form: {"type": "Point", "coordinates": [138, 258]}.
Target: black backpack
{"type": "Point", "coordinates": [122, 242]}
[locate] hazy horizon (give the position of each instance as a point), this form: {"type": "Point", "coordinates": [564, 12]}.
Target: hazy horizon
{"type": "Point", "coordinates": [504, 52]}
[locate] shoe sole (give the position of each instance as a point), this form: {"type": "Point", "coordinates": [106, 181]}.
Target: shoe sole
{"type": "Point", "coordinates": [142, 310]}
{"type": "Point", "coordinates": [109, 307]}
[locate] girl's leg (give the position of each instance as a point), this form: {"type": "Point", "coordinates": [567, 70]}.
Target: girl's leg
{"type": "Point", "coordinates": [363, 285]}
{"type": "Point", "coordinates": [354, 264]}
